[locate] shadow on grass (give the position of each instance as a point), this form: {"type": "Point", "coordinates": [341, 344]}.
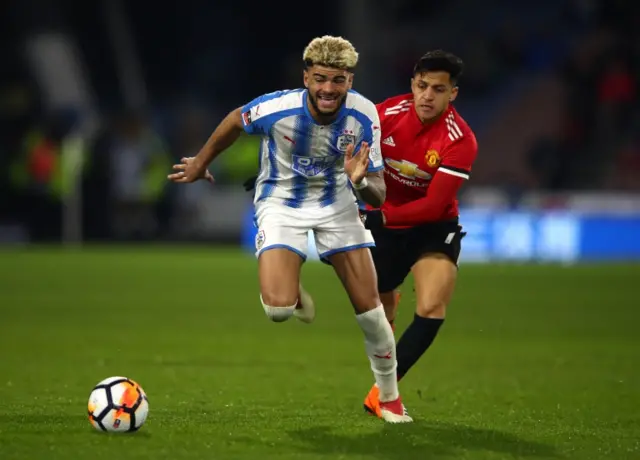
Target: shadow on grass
{"type": "Point", "coordinates": [417, 440]}
{"type": "Point", "coordinates": [38, 424]}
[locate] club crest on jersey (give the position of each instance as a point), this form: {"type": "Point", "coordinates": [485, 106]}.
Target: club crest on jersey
{"type": "Point", "coordinates": [344, 140]}
{"type": "Point", "coordinates": [432, 159]}
{"type": "Point", "coordinates": [312, 166]}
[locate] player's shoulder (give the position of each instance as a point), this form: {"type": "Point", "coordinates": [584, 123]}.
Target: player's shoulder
{"type": "Point", "coordinates": [395, 105]}
{"type": "Point", "coordinates": [357, 103]}
{"type": "Point", "coordinates": [458, 131]}
{"type": "Point", "coordinates": [277, 101]}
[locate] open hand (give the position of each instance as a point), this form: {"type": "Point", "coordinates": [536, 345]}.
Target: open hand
{"type": "Point", "coordinates": [189, 170]}
{"type": "Point", "coordinates": [356, 165]}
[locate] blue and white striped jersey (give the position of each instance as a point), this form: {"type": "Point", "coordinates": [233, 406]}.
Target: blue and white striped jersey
{"type": "Point", "coordinates": [302, 162]}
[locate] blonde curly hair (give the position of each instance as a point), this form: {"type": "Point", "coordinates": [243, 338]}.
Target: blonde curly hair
{"type": "Point", "coordinates": [331, 51]}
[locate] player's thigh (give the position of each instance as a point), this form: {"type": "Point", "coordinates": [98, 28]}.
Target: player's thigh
{"type": "Point", "coordinates": [343, 242]}
{"type": "Point", "coordinates": [279, 274]}
{"type": "Point", "coordinates": [435, 270]}
{"type": "Point", "coordinates": [434, 276]}
{"type": "Point", "coordinates": [281, 247]}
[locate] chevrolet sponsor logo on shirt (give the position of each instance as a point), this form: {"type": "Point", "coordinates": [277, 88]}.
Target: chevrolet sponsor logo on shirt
{"type": "Point", "coordinates": [406, 172]}
{"type": "Point", "coordinates": [407, 169]}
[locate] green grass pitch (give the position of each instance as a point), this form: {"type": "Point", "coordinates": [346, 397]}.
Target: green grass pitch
{"type": "Point", "coordinates": [534, 362]}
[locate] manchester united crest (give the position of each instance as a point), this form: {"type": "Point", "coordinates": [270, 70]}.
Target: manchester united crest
{"type": "Point", "coordinates": [432, 159]}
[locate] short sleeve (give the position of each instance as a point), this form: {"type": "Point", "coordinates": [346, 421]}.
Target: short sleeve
{"type": "Point", "coordinates": [459, 157]}
{"type": "Point", "coordinates": [259, 115]}
{"type": "Point", "coordinates": [367, 115]}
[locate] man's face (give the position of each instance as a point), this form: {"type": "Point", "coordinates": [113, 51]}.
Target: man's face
{"type": "Point", "coordinates": [327, 87]}
{"type": "Point", "coordinates": [432, 92]}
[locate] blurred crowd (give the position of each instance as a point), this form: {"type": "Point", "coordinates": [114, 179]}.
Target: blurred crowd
{"type": "Point", "coordinates": [591, 47]}
{"type": "Point", "coordinates": [585, 55]}
{"type": "Point", "coordinates": [598, 146]}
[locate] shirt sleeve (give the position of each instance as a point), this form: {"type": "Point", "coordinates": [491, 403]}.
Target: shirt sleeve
{"type": "Point", "coordinates": [375, 152]}
{"type": "Point", "coordinates": [454, 169]}
{"type": "Point", "coordinates": [458, 160]}
{"type": "Point", "coordinates": [371, 133]}
{"type": "Point", "coordinates": [259, 115]}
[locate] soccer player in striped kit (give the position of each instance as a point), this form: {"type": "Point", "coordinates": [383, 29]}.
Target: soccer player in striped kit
{"type": "Point", "coordinates": [308, 173]}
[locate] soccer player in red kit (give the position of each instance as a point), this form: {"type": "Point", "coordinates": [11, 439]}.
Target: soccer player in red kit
{"type": "Point", "coordinates": [428, 151]}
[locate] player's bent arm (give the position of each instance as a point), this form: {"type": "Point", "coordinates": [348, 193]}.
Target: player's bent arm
{"type": "Point", "coordinates": [222, 138]}
{"type": "Point", "coordinates": [441, 192]}
{"type": "Point", "coordinates": [443, 189]}
{"type": "Point", "coordinates": [372, 190]}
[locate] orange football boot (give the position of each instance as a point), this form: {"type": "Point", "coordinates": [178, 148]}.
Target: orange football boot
{"type": "Point", "coordinates": [372, 402]}
{"type": "Point", "coordinates": [389, 411]}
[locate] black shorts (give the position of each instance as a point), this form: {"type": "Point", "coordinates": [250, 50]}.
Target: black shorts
{"type": "Point", "coordinates": [397, 250]}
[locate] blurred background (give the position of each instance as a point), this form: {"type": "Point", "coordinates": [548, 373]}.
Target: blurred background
{"type": "Point", "coordinates": [98, 99]}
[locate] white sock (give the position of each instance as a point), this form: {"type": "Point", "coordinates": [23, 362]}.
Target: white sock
{"type": "Point", "coordinates": [278, 314]}
{"type": "Point", "coordinates": [381, 349]}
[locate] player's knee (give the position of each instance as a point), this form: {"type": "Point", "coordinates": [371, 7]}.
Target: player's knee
{"type": "Point", "coordinates": [279, 297]}
{"type": "Point", "coordinates": [430, 308]}
{"type": "Point", "coordinates": [278, 314]}
{"type": "Point", "coordinates": [278, 308]}
{"type": "Point", "coordinates": [365, 301]}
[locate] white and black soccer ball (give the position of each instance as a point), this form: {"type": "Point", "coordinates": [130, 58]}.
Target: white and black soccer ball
{"type": "Point", "coordinates": [118, 404]}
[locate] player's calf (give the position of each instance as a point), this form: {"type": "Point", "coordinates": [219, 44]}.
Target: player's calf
{"type": "Point", "coordinates": [434, 277]}
{"type": "Point", "coordinates": [355, 270]}
{"type": "Point", "coordinates": [381, 350]}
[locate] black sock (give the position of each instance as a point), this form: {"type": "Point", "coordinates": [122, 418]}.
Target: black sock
{"type": "Point", "coordinates": [415, 341]}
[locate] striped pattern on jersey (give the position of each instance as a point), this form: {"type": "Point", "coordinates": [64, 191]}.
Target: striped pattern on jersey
{"type": "Point", "coordinates": [455, 133]}
{"type": "Point", "coordinates": [302, 162]}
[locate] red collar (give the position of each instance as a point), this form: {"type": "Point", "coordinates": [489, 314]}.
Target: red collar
{"type": "Point", "coordinates": [417, 127]}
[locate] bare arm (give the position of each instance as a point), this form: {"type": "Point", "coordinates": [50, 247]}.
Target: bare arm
{"type": "Point", "coordinates": [221, 139]}
{"type": "Point", "coordinates": [375, 191]}
{"type": "Point", "coordinates": [192, 169]}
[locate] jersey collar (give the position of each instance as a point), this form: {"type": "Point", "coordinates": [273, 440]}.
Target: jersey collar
{"type": "Point", "coordinates": [416, 125]}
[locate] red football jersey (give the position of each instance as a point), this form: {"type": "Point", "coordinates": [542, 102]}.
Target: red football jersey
{"type": "Point", "coordinates": [424, 165]}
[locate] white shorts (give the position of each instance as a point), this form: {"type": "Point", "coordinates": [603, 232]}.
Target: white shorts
{"type": "Point", "coordinates": [284, 227]}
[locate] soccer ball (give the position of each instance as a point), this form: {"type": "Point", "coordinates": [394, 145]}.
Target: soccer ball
{"type": "Point", "coordinates": [118, 404]}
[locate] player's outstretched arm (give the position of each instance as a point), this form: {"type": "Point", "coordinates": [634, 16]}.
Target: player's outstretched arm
{"type": "Point", "coordinates": [369, 185]}
{"type": "Point", "coordinates": [222, 138]}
